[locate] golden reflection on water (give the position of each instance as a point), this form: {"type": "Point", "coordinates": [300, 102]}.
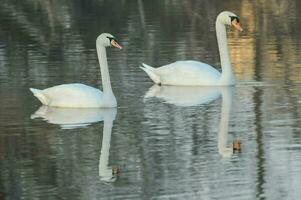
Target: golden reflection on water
{"type": "Point", "coordinates": [242, 45]}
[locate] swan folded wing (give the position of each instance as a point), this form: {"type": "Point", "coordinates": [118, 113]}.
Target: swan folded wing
{"type": "Point", "coordinates": [188, 73]}
{"type": "Point", "coordinates": [73, 95]}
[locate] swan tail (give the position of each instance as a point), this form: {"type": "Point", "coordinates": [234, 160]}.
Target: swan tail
{"type": "Point", "coordinates": [150, 72]}
{"type": "Point", "coordinates": [38, 93]}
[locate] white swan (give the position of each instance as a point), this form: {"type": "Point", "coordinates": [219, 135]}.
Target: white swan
{"type": "Point", "coordinates": [194, 73]}
{"type": "Point", "coordinates": [78, 95]}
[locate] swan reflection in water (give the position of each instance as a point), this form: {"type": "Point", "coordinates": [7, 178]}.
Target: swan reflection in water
{"type": "Point", "coordinates": [193, 96]}
{"type": "Point", "coordinates": [183, 95]}
{"type": "Point", "coordinates": [70, 118]}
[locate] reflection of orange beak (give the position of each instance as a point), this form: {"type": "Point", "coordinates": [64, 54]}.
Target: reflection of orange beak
{"type": "Point", "coordinates": [237, 26]}
{"type": "Point", "coordinates": [115, 44]}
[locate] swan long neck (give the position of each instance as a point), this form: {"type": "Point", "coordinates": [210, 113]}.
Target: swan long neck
{"type": "Point", "coordinates": [103, 63]}
{"type": "Point", "coordinates": [227, 73]}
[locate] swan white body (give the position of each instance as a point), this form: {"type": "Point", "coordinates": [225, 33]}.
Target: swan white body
{"type": "Point", "coordinates": [74, 95]}
{"type": "Point", "coordinates": [78, 95]}
{"type": "Point", "coordinates": [194, 73]}
{"type": "Point", "coordinates": [184, 73]}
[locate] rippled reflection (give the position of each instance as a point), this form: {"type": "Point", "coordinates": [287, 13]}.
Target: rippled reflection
{"type": "Point", "coordinates": [193, 96]}
{"type": "Point", "coordinates": [70, 118]}
{"type": "Point", "coordinates": [168, 145]}
{"type": "Point", "coordinates": [106, 172]}
{"type": "Point", "coordinates": [223, 143]}
{"type": "Point", "coordinates": [184, 96]}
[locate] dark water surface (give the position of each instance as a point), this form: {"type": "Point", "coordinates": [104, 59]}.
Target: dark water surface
{"type": "Point", "coordinates": [165, 142]}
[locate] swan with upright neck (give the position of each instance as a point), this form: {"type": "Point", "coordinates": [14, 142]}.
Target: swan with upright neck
{"type": "Point", "coordinates": [77, 95]}
{"type": "Point", "coordinates": [194, 73]}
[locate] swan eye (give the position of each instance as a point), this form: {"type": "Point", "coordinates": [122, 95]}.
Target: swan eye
{"type": "Point", "coordinates": [234, 19]}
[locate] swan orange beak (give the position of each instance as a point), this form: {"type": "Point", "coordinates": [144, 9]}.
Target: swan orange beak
{"type": "Point", "coordinates": [237, 26]}
{"type": "Point", "coordinates": [114, 43]}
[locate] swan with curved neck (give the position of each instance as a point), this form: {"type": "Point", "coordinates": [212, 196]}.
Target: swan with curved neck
{"type": "Point", "coordinates": [78, 95]}
{"type": "Point", "coordinates": [194, 73]}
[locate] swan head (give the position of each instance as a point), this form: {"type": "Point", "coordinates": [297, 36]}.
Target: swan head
{"type": "Point", "coordinates": [229, 18]}
{"type": "Point", "coordinates": [107, 40]}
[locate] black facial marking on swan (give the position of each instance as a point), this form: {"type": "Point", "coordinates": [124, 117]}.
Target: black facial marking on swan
{"type": "Point", "coordinates": [233, 18]}
{"type": "Point", "coordinates": [111, 38]}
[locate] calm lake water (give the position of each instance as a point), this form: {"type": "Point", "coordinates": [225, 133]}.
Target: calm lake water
{"type": "Point", "coordinates": [164, 142]}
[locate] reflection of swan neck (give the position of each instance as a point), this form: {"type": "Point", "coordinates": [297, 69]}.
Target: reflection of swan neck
{"type": "Point", "coordinates": [226, 101]}
{"type": "Point", "coordinates": [103, 63]}
{"type": "Point", "coordinates": [106, 141]}
{"type": "Point", "coordinates": [227, 74]}
{"type": "Point", "coordinates": [105, 172]}
{"type": "Point", "coordinates": [224, 122]}
{"type": "Point", "coordinates": [141, 12]}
